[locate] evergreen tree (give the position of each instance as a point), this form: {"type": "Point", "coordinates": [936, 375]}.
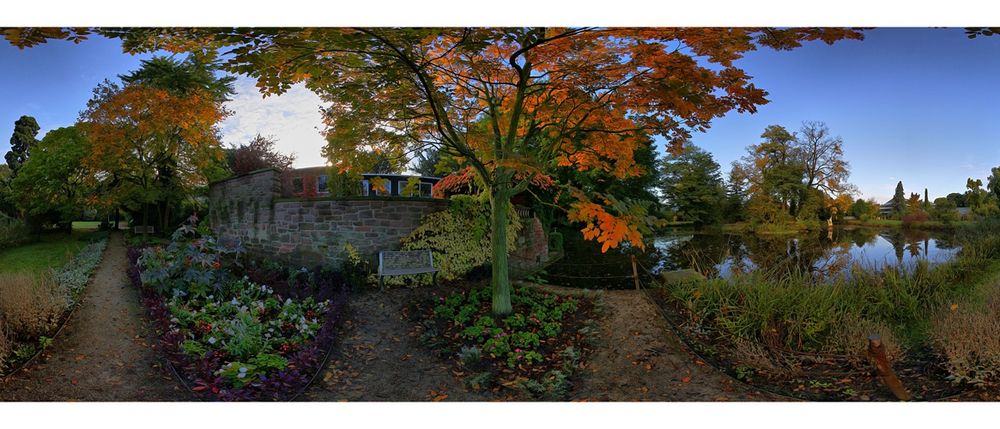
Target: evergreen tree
{"type": "Point", "coordinates": [899, 200]}
{"type": "Point", "coordinates": [692, 185]}
{"type": "Point", "coordinates": [25, 130]}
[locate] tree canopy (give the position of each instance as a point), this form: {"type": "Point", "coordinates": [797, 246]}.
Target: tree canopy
{"type": "Point", "coordinates": [511, 102]}
{"type": "Point", "coordinates": [692, 185]}
{"type": "Point", "coordinates": [155, 137]}
{"type": "Point", "coordinates": [258, 153]}
{"type": "Point", "coordinates": [21, 143]}
{"type": "Point", "coordinates": [52, 184]}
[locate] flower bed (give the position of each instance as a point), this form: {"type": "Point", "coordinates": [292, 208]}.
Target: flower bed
{"type": "Point", "coordinates": [234, 329]}
{"type": "Point", "coordinates": [34, 309]}
{"type": "Point", "coordinates": [535, 350]}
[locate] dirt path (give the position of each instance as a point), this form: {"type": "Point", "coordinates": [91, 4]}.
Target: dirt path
{"type": "Point", "coordinates": [380, 358]}
{"type": "Point", "coordinates": [639, 358]}
{"type": "Point", "coordinates": [104, 353]}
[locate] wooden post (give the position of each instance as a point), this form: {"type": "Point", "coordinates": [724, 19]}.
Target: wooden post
{"type": "Point", "coordinates": [635, 273]}
{"type": "Point", "coordinates": [876, 352]}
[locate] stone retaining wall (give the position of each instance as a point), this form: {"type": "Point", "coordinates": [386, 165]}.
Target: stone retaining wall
{"type": "Point", "coordinates": [313, 231]}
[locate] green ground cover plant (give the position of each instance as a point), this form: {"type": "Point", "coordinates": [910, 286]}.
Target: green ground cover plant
{"type": "Point", "coordinates": [536, 350]}
{"type": "Point", "coordinates": [236, 329]}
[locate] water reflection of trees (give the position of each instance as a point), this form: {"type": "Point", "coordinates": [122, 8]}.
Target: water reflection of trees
{"type": "Point", "coordinates": [820, 254]}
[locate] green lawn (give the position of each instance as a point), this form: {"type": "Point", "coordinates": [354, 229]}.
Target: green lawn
{"type": "Point", "coordinates": [86, 224]}
{"type": "Point", "coordinates": [930, 224]}
{"type": "Point", "coordinates": [53, 250]}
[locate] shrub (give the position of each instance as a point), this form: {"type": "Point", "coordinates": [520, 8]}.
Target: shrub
{"type": "Point", "coordinates": [849, 337]}
{"type": "Point", "coordinates": [6, 346]}
{"type": "Point", "coordinates": [30, 306]}
{"type": "Point", "coordinates": [918, 216]}
{"type": "Point", "coordinates": [12, 233]}
{"type": "Point", "coordinates": [460, 237]}
{"type": "Point", "coordinates": [968, 337]}
{"type": "Point", "coordinates": [73, 276]}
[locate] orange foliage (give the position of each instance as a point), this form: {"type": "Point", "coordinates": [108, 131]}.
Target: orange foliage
{"type": "Point", "coordinates": [505, 100]}
{"type": "Point", "coordinates": [136, 128]}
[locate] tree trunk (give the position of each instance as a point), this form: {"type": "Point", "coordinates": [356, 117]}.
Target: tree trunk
{"type": "Point", "coordinates": [500, 204]}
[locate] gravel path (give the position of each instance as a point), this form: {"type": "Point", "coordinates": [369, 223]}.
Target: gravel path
{"type": "Point", "coordinates": [106, 352]}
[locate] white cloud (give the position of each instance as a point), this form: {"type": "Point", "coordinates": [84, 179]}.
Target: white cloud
{"type": "Point", "coordinates": [293, 118]}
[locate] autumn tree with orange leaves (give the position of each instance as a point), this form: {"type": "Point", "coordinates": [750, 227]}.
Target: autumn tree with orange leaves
{"type": "Point", "coordinates": [153, 138]}
{"type": "Point", "coordinates": [511, 102]}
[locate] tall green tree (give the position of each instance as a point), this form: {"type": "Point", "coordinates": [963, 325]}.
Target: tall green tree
{"type": "Point", "coordinates": [958, 198]}
{"type": "Point", "coordinates": [775, 173]}
{"type": "Point", "coordinates": [52, 185]}
{"type": "Point", "coordinates": [993, 182]}
{"type": "Point", "coordinates": [899, 200]}
{"type": "Point", "coordinates": [737, 193]}
{"type": "Point", "coordinates": [7, 207]}
{"type": "Point", "coordinates": [975, 196]}
{"type": "Point", "coordinates": [692, 185]}
{"type": "Point", "coordinates": [21, 143]}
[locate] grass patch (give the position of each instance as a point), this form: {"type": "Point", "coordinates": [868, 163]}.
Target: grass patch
{"type": "Point", "coordinates": [930, 224]}
{"type": "Point", "coordinates": [770, 228]}
{"type": "Point", "coordinates": [52, 250]}
{"type": "Point", "coordinates": [86, 224]}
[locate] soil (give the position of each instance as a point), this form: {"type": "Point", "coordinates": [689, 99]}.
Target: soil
{"type": "Point", "coordinates": [380, 358]}
{"type": "Point", "coordinates": [638, 358]}
{"type": "Point", "coordinates": [106, 352]}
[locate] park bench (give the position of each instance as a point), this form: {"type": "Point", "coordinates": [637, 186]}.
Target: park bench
{"type": "Point", "coordinates": [143, 229]}
{"type": "Point", "coordinates": [404, 263]}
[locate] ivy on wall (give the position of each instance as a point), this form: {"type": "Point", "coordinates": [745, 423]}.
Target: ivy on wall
{"type": "Point", "coordinates": [460, 236]}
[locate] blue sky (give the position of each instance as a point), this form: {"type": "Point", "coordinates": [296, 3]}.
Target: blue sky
{"type": "Point", "coordinates": [52, 82]}
{"type": "Point", "coordinates": [917, 105]}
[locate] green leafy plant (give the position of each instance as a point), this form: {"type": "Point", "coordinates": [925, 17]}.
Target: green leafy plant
{"type": "Point", "coordinates": [459, 237]}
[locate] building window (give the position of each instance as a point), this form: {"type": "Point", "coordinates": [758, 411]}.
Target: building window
{"type": "Point", "coordinates": [322, 185]}
{"type": "Point", "coordinates": [297, 186]}
{"type": "Point", "coordinates": [425, 189]}
{"type": "Point", "coordinates": [364, 188]}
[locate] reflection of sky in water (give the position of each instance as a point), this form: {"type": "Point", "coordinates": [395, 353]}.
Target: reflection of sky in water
{"type": "Point", "coordinates": [725, 255]}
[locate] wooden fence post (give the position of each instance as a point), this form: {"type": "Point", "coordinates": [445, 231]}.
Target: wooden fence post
{"type": "Point", "coordinates": [876, 352]}
{"type": "Point", "coordinates": [635, 273]}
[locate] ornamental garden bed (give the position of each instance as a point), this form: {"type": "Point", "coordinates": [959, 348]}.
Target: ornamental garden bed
{"type": "Point", "coordinates": [235, 329]}
{"type": "Point", "coordinates": [34, 308]}
{"type": "Point", "coordinates": [534, 353]}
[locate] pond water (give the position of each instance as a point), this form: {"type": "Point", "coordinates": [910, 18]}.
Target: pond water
{"type": "Point", "coordinates": [716, 254]}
